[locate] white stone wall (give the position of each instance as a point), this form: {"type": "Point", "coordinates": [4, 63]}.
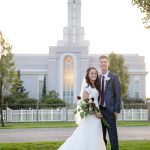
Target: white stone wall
{"type": "Point", "coordinates": [32, 67]}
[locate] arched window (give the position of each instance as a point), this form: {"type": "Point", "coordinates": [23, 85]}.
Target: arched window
{"type": "Point", "coordinates": [68, 79]}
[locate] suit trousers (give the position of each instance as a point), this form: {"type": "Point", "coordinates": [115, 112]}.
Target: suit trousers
{"type": "Point", "coordinates": [112, 131]}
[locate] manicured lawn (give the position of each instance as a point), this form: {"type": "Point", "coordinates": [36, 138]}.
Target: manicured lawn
{"type": "Point", "coordinates": [124, 145]}
{"type": "Point", "coordinates": [39, 125]}
{"type": "Point", "coordinates": [30, 146]}
{"type": "Point", "coordinates": [133, 123]}
{"type": "Point", "coordinates": [66, 124]}
{"type": "Point", "coordinates": [134, 145]}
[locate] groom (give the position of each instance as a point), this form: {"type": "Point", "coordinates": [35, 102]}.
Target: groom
{"type": "Point", "coordinates": [110, 101]}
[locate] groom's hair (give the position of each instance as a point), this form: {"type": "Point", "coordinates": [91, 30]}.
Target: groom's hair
{"type": "Point", "coordinates": [103, 56]}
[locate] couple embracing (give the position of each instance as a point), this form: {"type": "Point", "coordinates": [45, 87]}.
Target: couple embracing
{"type": "Point", "coordinates": [106, 91]}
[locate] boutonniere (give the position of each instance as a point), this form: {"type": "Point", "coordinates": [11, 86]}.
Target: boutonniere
{"type": "Point", "coordinates": [107, 79]}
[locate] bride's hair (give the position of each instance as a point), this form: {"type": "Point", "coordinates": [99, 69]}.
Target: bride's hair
{"type": "Point", "coordinates": [96, 82]}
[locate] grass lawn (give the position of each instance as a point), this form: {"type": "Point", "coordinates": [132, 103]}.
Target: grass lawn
{"type": "Point", "coordinates": [133, 123]}
{"type": "Point", "coordinates": [66, 124]}
{"type": "Point", "coordinates": [38, 125]}
{"type": "Point", "coordinates": [124, 145]}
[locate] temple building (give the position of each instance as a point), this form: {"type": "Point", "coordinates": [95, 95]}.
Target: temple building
{"type": "Point", "coordinates": [66, 63]}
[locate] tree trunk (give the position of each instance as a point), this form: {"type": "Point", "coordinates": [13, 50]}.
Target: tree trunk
{"type": "Point", "coordinates": [2, 120]}
{"type": "Point", "coordinates": [1, 111]}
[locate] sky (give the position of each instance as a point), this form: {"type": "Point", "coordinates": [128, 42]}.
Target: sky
{"type": "Point", "coordinates": [34, 25]}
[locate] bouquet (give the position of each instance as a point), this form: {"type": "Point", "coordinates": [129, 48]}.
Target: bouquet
{"type": "Point", "coordinates": [87, 107]}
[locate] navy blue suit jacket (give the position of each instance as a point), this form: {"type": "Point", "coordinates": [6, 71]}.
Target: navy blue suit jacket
{"type": "Point", "coordinates": [112, 94]}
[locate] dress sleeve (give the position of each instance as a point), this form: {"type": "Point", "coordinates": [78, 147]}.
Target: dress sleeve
{"type": "Point", "coordinates": [87, 89]}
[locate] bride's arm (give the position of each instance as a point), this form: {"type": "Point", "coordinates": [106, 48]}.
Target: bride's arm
{"type": "Point", "coordinates": [85, 95]}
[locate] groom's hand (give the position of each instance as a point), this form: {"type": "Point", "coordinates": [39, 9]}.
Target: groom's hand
{"type": "Point", "coordinates": [98, 115]}
{"type": "Point", "coordinates": [116, 114]}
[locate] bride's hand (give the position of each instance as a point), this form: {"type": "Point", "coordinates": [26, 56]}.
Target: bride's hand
{"type": "Point", "coordinates": [99, 115]}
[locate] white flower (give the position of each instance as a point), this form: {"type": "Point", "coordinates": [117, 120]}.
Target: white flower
{"type": "Point", "coordinates": [83, 102]}
{"type": "Point", "coordinates": [90, 101]}
{"type": "Point", "coordinates": [107, 78]}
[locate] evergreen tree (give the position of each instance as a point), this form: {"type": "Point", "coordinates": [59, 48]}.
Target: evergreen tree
{"type": "Point", "coordinates": [7, 72]}
{"type": "Point", "coordinates": [18, 89]}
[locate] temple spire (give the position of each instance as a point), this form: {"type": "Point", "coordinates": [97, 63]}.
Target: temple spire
{"type": "Point", "coordinates": [74, 33]}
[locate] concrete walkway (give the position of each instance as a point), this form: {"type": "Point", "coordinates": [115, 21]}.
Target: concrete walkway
{"type": "Point", "coordinates": [57, 134]}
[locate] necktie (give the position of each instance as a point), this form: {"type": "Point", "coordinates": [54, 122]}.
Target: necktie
{"type": "Point", "coordinates": [102, 91]}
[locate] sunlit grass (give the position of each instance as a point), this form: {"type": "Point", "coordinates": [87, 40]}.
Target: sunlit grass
{"type": "Point", "coordinates": [133, 123]}
{"type": "Point", "coordinates": [39, 125]}
{"type": "Point", "coordinates": [124, 145]}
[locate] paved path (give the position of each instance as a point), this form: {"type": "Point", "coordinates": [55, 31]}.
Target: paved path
{"type": "Point", "coordinates": [57, 134]}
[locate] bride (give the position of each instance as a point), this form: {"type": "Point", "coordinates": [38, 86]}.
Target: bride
{"type": "Point", "coordinates": [88, 135]}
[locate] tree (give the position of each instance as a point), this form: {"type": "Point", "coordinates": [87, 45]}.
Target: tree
{"type": "Point", "coordinates": [18, 89]}
{"type": "Point", "coordinates": [7, 72]}
{"type": "Point", "coordinates": [144, 6]}
{"type": "Point", "coordinates": [53, 98]}
{"type": "Point", "coordinates": [118, 66]}
{"type": "Point", "coordinates": [53, 94]}
{"type": "Point", "coordinates": [44, 87]}
{"type": "Point", "coordinates": [18, 93]}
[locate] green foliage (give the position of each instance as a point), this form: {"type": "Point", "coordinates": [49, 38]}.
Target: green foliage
{"type": "Point", "coordinates": [131, 100]}
{"type": "Point", "coordinates": [118, 66]}
{"type": "Point", "coordinates": [47, 100]}
{"type": "Point", "coordinates": [134, 103]}
{"type": "Point", "coordinates": [18, 90]}
{"type": "Point", "coordinates": [26, 101]}
{"type": "Point", "coordinates": [15, 100]}
{"type": "Point", "coordinates": [52, 98]}
{"type": "Point", "coordinates": [7, 71]}
{"type": "Point", "coordinates": [53, 94]}
{"type": "Point", "coordinates": [144, 6]}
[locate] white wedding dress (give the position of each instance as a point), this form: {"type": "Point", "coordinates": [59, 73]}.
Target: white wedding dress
{"type": "Point", "coordinates": [88, 135]}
